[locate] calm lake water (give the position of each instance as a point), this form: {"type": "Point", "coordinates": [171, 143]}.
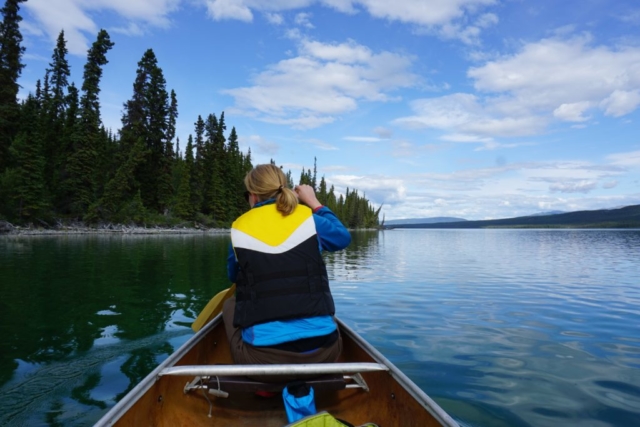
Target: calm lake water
{"type": "Point", "coordinates": [500, 327]}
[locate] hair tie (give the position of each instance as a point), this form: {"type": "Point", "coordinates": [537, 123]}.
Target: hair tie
{"type": "Point", "coordinates": [280, 189]}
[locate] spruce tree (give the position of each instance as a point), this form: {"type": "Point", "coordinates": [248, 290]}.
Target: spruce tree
{"type": "Point", "coordinates": [206, 132]}
{"type": "Point", "coordinates": [322, 192]}
{"type": "Point", "coordinates": [53, 117]}
{"type": "Point", "coordinates": [146, 117]}
{"type": "Point", "coordinates": [10, 69]}
{"type": "Point", "coordinates": [198, 170]}
{"type": "Point", "coordinates": [83, 173]}
{"type": "Point", "coordinates": [29, 191]}
{"type": "Point", "coordinates": [195, 194]}
{"type": "Point", "coordinates": [184, 206]}
{"type": "Point", "coordinates": [236, 203]}
{"type": "Point", "coordinates": [59, 80]}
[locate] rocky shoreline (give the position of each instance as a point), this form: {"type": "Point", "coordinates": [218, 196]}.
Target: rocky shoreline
{"type": "Point", "coordinates": [8, 229]}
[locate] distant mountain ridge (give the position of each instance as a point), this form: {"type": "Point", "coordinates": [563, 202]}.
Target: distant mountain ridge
{"type": "Point", "coordinates": [548, 213]}
{"type": "Point", "coordinates": [626, 217]}
{"type": "Point", "coordinates": [432, 220]}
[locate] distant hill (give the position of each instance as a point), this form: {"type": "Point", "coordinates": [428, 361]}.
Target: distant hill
{"type": "Point", "coordinates": [626, 217]}
{"type": "Point", "coordinates": [432, 220]}
{"type": "Point", "coordinates": [547, 213]}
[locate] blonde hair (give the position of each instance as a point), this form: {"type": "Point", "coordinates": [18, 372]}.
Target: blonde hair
{"type": "Point", "coordinates": [268, 182]}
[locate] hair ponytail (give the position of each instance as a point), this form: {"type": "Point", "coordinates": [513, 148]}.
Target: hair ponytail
{"type": "Point", "coordinates": [286, 201]}
{"type": "Point", "coordinates": [267, 182]}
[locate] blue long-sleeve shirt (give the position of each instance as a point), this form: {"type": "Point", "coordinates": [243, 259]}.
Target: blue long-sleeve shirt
{"type": "Point", "coordinates": [332, 236]}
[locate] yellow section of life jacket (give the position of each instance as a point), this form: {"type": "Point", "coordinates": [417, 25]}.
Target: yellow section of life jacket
{"type": "Point", "coordinates": [268, 225]}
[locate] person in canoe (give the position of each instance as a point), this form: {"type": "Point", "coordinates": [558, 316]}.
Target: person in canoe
{"type": "Point", "coordinates": [283, 309]}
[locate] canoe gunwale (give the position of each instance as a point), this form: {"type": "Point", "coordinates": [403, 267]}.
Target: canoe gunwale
{"type": "Point", "coordinates": [429, 404]}
{"type": "Point", "coordinates": [130, 399]}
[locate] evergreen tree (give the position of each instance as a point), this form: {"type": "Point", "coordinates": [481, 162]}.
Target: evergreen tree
{"type": "Point", "coordinates": [210, 181]}
{"type": "Point", "coordinates": [236, 173]}
{"type": "Point", "coordinates": [289, 179]}
{"type": "Point", "coordinates": [10, 69]}
{"type": "Point", "coordinates": [83, 173]}
{"type": "Point", "coordinates": [147, 117]}
{"type": "Point", "coordinates": [184, 206]}
{"type": "Point", "coordinates": [194, 180]}
{"type": "Point", "coordinates": [322, 192]}
{"type": "Point", "coordinates": [173, 117]}
{"type": "Point", "coordinates": [332, 203]}
{"type": "Point", "coordinates": [28, 174]}
{"type": "Point", "coordinates": [313, 178]}
{"type": "Point", "coordinates": [198, 170]}
{"type": "Point", "coordinates": [64, 196]}
{"type": "Point", "coordinates": [53, 116]}
{"type": "Point", "coordinates": [59, 79]}
{"type": "Point", "coordinates": [121, 200]}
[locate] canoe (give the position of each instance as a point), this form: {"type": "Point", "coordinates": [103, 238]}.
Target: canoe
{"type": "Point", "coordinates": [198, 385]}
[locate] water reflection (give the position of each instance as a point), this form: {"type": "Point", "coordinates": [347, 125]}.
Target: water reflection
{"type": "Point", "coordinates": [73, 300]}
{"type": "Point", "coordinates": [522, 325]}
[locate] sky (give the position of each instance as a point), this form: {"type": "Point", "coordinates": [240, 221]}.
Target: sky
{"type": "Point", "coordinates": [476, 109]}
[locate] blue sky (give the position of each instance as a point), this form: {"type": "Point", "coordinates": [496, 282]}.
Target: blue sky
{"type": "Point", "coordinates": [477, 109]}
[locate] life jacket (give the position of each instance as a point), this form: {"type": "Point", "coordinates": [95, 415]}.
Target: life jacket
{"type": "Point", "coordinates": [281, 272]}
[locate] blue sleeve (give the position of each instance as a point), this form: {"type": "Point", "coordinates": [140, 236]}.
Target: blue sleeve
{"type": "Point", "coordinates": [232, 265]}
{"type": "Point", "coordinates": [333, 236]}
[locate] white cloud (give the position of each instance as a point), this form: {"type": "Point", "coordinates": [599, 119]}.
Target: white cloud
{"type": "Point", "coordinates": [469, 34]}
{"type": "Point", "coordinates": [421, 12]}
{"type": "Point", "coordinates": [621, 102]}
{"type": "Point", "coordinates": [132, 29]}
{"type": "Point", "coordinates": [630, 159]}
{"type": "Point", "coordinates": [322, 145]}
{"type": "Point", "coordinates": [610, 184]}
{"type": "Point", "coordinates": [573, 187]}
{"type": "Point", "coordinates": [259, 145]}
{"type": "Point", "coordinates": [74, 17]}
{"type": "Point", "coordinates": [444, 16]}
{"type": "Point", "coordinates": [302, 19]}
{"type": "Point", "coordinates": [464, 114]}
{"type": "Point", "coordinates": [572, 112]}
{"type": "Point", "coordinates": [378, 189]}
{"type": "Point", "coordinates": [547, 74]}
{"type": "Point", "coordinates": [229, 9]}
{"type": "Point", "coordinates": [333, 77]}
{"type": "Point", "coordinates": [274, 18]}
{"type": "Point", "coordinates": [522, 93]}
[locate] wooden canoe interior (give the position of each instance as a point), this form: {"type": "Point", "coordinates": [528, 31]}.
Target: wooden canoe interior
{"type": "Point", "coordinates": [386, 404]}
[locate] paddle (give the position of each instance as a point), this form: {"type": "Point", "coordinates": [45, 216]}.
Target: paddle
{"type": "Point", "coordinates": [212, 308]}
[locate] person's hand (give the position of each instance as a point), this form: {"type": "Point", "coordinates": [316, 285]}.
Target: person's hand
{"type": "Point", "coordinates": [307, 195]}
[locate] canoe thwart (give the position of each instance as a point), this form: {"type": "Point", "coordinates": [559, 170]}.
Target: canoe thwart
{"type": "Point", "coordinates": [221, 386]}
{"type": "Point", "coordinates": [275, 369]}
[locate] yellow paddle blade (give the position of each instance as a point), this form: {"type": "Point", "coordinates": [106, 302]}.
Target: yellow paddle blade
{"type": "Point", "coordinates": [212, 308]}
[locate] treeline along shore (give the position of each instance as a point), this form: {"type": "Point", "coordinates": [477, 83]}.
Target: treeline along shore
{"type": "Point", "coordinates": [60, 166]}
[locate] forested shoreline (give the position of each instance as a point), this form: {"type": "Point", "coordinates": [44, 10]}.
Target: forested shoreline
{"type": "Point", "coordinates": [60, 167]}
